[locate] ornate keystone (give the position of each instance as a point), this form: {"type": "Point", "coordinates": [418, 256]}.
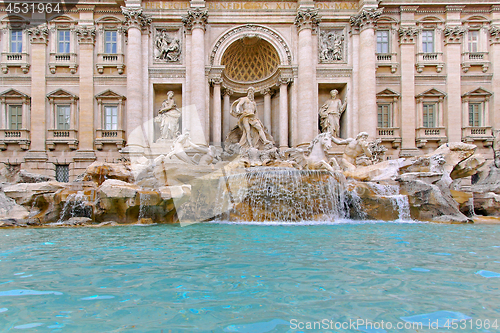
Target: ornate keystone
{"type": "Point", "coordinates": [196, 18]}
{"type": "Point", "coordinates": [454, 34]}
{"type": "Point", "coordinates": [38, 34]}
{"type": "Point", "coordinates": [307, 19]}
{"type": "Point", "coordinates": [407, 35]}
{"type": "Point", "coordinates": [134, 18]}
{"type": "Point", "coordinates": [86, 34]}
{"type": "Point", "coordinates": [366, 19]}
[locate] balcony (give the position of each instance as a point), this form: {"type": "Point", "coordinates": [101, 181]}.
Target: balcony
{"type": "Point", "coordinates": [20, 137]}
{"type": "Point", "coordinates": [387, 60]}
{"type": "Point", "coordinates": [63, 60]}
{"type": "Point", "coordinates": [110, 60]}
{"type": "Point", "coordinates": [475, 59]}
{"type": "Point", "coordinates": [430, 59]}
{"type": "Point", "coordinates": [56, 136]}
{"type": "Point", "coordinates": [426, 134]}
{"type": "Point", "coordinates": [478, 133]}
{"type": "Point", "coordinates": [116, 137]}
{"type": "Point", "coordinates": [390, 134]}
{"type": "Point", "coordinates": [15, 60]}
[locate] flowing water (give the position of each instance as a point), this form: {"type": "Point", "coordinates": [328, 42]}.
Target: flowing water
{"type": "Point", "coordinates": [270, 277]}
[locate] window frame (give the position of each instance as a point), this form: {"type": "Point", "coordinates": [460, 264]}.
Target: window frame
{"type": "Point", "coordinates": [479, 114]}
{"type": "Point", "coordinates": [66, 42]}
{"type": "Point", "coordinates": [425, 115]}
{"type": "Point", "coordinates": [473, 42]}
{"type": "Point", "coordinates": [426, 33]}
{"type": "Point", "coordinates": [113, 116]}
{"type": "Point", "coordinates": [112, 43]}
{"type": "Point", "coordinates": [67, 124]}
{"type": "Point", "coordinates": [382, 43]}
{"type": "Point", "coordinates": [65, 168]}
{"type": "Point", "coordinates": [19, 116]}
{"type": "Point", "coordinates": [16, 42]}
{"type": "Point", "coordinates": [380, 115]}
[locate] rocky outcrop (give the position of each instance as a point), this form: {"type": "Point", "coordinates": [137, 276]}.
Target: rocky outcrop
{"type": "Point", "coordinates": [99, 172]}
{"type": "Point", "coordinates": [11, 214]}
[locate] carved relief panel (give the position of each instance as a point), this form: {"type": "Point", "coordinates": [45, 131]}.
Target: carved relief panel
{"type": "Point", "coordinates": [167, 45]}
{"type": "Point", "coordinates": [332, 47]}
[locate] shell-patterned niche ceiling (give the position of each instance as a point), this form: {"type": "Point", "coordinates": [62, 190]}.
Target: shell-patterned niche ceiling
{"type": "Point", "coordinates": [250, 59]}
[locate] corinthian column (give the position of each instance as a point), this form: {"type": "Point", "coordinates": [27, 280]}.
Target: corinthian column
{"type": "Point", "coordinates": [283, 113]}
{"type": "Point", "coordinates": [306, 20]}
{"type": "Point", "coordinates": [267, 108]}
{"type": "Point", "coordinates": [226, 118]}
{"type": "Point", "coordinates": [195, 21]}
{"type": "Point", "coordinates": [453, 43]}
{"type": "Point", "coordinates": [495, 56]}
{"type": "Point", "coordinates": [86, 39]}
{"type": "Point", "coordinates": [135, 20]}
{"type": "Point", "coordinates": [217, 112]}
{"type": "Point", "coordinates": [367, 100]}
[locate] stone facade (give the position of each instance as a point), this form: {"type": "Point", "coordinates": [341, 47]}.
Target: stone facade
{"type": "Point", "coordinates": [86, 84]}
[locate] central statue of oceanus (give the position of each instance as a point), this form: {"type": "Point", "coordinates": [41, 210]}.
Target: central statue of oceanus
{"type": "Point", "coordinates": [250, 133]}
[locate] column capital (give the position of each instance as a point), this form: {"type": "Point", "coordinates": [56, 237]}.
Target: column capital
{"type": "Point", "coordinates": [195, 19]}
{"type": "Point", "coordinates": [366, 19]}
{"type": "Point", "coordinates": [267, 91]}
{"type": "Point", "coordinates": [135, 18]}
{"type": "Point", "coordinates": [454, 34]}
{"type": "Point", "coordinates": [494, 34]}
{"type": "Point", "coordinates": [307, 19]}
{"type": "Point", "coordinates": [227, 91]}
{"type": "Point", "coordinates": [407, 34]}
{"type": "Point", "coordinates": [85, 33]}
{"type": "Point", "coordinates": [38, 34]}
{"type": "Point", "coordinates": [285, 80]}
{"type": "Point", "coordinates": [215, 81]}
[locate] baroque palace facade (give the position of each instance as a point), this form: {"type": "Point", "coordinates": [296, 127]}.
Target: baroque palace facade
{"type": "Point", "coordinates": [85, 84]}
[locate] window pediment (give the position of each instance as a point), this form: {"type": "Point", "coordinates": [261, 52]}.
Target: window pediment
{"type": "Point", "coordinates": [108, 95]}
{"type": "Point", "coordinates": [13, 94]}
{"type": "Point", "coordinates": [388, 93]}
{"type": "Point", "coordinates": [479, 92]}
{"type": "Point", "coordinates": [433, 92]}
{"type": "Point", "coordinates": [61, 94]}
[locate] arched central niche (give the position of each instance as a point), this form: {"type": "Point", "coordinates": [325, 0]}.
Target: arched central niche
{"type": "Point", "coordinates": [249, 60]}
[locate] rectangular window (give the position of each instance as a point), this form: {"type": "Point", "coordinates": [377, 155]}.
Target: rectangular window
{"type": "Point", "coordinates": [63, 41]}
{"type": "Point", "coordinates": [384, 115]}
{"type": "Point", "coordinates": [62, 173]}
{"type": "Point", "coordinates": [16, 41]}
{"type": "Point", "coordinates": [110, 42]}
{"type": "Point", "coordinates": [475, 110]}
{"type": "Point", "coordinates": [382, 41]}
{"type": "Point", "coordinates": [111, 117]}
{"type": "Point", "coordinates": [63, 117]}
{"type": "Point", "coordinates": [15, 117]}
{"type": "Point", "coordinates": [427, 41]}
{"type": "Point", "coordinates": [473, 40]}
{"type": "Point", "coordinates": [429, 116]}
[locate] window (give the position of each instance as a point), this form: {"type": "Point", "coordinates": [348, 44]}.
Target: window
{"type": "Point", "coordinates": [429, 115]}
{"type": "Point", "coordinates": [111, 117]}
{"type": "Point", "coordinates": [63, 117]}
{"type": "Point", "coordinates": [475, 118]}
{"type": "Point", "coordinates": [473, 39]}
{"type": "Point", "coordinates": [383, 41]}
{"type": "Point", "coordinates": [15, 117]}
{"type": "Point", "coordinates": [62, 173]}
{"type": "Point", "coordinates": [110, 42]}
{"type": "Point", "coordinates": [427, 41]}
{"type": "Point", "coordinates": [63, 41]}
{"type": "Point", "coordinates": [384, 115]}
{"type": "Point", "coordinates": [16, 41]}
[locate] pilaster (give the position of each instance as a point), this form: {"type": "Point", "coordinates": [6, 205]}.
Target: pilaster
{"type": "Point", "coordinates": [216, 111]}
{"type": "Point", "coordinates": [495, 58]}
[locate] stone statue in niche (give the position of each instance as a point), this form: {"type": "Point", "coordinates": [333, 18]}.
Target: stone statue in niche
{"type": "Point", "coordinates": [330, 114]}
{"type": "Point", "coordinates": [331, 45]}
{"type": "Point", "coordinates": [250, 133]}
{"type": "Point", "coordinates": [168, 118]}
{"type": "Point", "coordinates": [167, 48]}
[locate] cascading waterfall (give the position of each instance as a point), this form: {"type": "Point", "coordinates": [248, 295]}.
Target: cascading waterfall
{"type": "Point", "coordinates": [399, 201]}
{"type": "Point", "coordinates": [282, 194]}
{"type": "Point", "coordinates": [144, 208]}
{"type": "Point", "coordinates": [76, 205]}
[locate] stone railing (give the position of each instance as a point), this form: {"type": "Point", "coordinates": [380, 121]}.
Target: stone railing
{"type": "Point", "coordinates": [475, 59]}
{"type": "Point", "coordinates": [390, 134]}
{"type": "Point", "coordinates": [430, 59]}
{"type": "Point", "coordinates": [21, 137]}
{"type": "Point", "coordinates": [388, 60]}
{"type": "Point", "coordinates": [63, 60]}
{"type": "Point", "coordinates": [478, 133]}
{"type": "Point", "coordinates": [114, 60]}
{"type": "Point", "coordinates": [116, 137]}
{"type": "Point", "coordinates": [425, 134]}
{"type": "Point", "coordinates": [68, 137]}
{"type": "Point", "coordinates": [14, 60]}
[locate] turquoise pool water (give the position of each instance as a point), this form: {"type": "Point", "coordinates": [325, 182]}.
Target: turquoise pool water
{"type": "Point", "coordinates": [249, 278]}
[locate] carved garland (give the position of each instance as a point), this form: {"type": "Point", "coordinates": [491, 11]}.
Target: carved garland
{"type": "Point", "coordinates": [250, 27]}
{"type": "Point", "coordinates": [454, 34]}
{"type": "Point", "coordinates": [407, 34]}
{"type": "Point", "coordinates": [86, 34]}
